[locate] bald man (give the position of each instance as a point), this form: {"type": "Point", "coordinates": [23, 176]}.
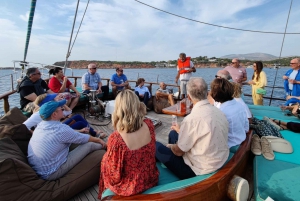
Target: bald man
{"type": "Point", "coordinates": [237, 72]}
{"type": "Point", "coordinates": [163, 92]}
{"type": "Point", "coordinates": [292, 79]}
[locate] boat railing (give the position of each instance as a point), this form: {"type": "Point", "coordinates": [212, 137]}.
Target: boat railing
{"type": "Point", "coordinates": [267, 97]}
{"type": "Point", "coordinates": [5, 95]}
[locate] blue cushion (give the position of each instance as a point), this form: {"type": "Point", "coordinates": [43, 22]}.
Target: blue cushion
{"type": "Point", "coordinates": [234, 149]}
{"type": "Point", "coordinates": [169, 182]}
{"type": "Point", "coordinates": [277, 179]}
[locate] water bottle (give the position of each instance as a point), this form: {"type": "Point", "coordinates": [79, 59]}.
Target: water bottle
{"type": "Point", "coordinates": [174, 120]}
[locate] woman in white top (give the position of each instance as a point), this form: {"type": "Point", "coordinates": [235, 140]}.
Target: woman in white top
{"type": "Point", "coordinates": [222, 91]}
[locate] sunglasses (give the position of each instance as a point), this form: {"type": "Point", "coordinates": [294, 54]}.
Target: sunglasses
{"type": "Point", "coordinates": [292, 63]}
{"type": "Point", "coordinates": [121, 71]}
{"type": "Point", "coordinates": [93, 68]}
{"type": "Point", "coordinates": [233, 62]}
{"type": "Point", "coordinates": [217, 76]}
{"type": "Point", "coordinates": [36, 74]}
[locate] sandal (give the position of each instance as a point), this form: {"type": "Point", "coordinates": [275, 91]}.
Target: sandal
{"type": "Point", "coordinates": [278, 123]}
{"type": "Point", "coordinates": [101, 134]}
{"type": "Point", "coordinates": [272, 122]}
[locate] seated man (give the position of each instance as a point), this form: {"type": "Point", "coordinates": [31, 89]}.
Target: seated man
{"type": "Point", "coordinates": [223, 74]}
{"type": "Point", "coordinates": [142, 92]}
{"type": "Point", "coordinates": [119, 81]}
{"type": "Point", "coordinates": [199, 145]}
{"type": "Point", "coordinates": [163, 92]}
{"type": "Point", "coordinates": [91, 81]}
{"type": "Point", "coordinates": [30, 87]}
{"type": "Point", "coordinates": [48, 149]}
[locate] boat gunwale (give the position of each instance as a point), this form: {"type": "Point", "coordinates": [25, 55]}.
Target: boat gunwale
{"type": "Point", "coordinates": [212, 188]}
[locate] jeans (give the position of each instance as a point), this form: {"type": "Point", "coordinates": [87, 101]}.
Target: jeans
{"type": "Point", "coordinates": [174, 163]}
{"type": "Point", "coordinates": [79, 123]}
{"type": "Point", "coordinates": [74, 157]}
{"type": "Point", "coordinates": [145, 99]}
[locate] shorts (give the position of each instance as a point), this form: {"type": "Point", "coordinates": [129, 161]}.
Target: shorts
{"type": "Point", "coordinates": [183, 86]}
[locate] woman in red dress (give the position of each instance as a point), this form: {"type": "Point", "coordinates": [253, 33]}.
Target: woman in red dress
{"type": "Point", "coordinates": [129, 167]}
{"type": "Point", "coordinates": [60, 84]}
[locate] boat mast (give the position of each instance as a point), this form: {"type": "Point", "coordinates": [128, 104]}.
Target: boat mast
{"type": "Point", "coordinates": [29, 26]}
{"type": "Point", "coordinates": [287, 21]}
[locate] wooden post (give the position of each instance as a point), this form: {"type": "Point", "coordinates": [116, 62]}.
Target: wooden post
{"type": "Point", "coordinates": [5, 104]}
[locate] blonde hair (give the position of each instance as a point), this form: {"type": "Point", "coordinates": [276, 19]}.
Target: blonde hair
{"type": "Point", "coordinates": [237, 90]}
{"type": "Point", "coordinates": [38, 100]}
{"type": "Point", "coordinates": [129, 112]}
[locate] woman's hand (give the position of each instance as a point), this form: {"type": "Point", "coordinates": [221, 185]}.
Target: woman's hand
{"type": "Point", "coordinates": [251, 82]}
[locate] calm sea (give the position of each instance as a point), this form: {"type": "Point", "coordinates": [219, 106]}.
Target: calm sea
{"type": "Point", "coordinates": [166, 75]}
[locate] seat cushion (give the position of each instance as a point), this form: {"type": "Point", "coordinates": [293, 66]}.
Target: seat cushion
{"type": "Point", "coordinates": [277, 179]}
{"type": "Point", "coordinates": [22, 183]}
{"type": "Point", "coordinates": [13, 117]}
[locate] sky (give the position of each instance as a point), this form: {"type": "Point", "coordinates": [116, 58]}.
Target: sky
{"type": "Point", "coordinates": [126, 30]}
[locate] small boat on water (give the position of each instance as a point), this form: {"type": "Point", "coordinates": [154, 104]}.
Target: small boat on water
{"type": "Point", "coordinates": [276, 66]}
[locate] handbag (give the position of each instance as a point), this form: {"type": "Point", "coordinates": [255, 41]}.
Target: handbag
{"type": "Point", "coordinates": [261, 91]}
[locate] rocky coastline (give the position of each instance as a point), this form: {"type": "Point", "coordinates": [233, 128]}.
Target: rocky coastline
{"type": "Point", "coordinates": [113, 65]}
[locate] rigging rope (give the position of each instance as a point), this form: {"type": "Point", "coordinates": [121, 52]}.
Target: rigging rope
{"type": "Point", "coordinates": [210, 24]}
{"type": "Point", "coordinates": [68, 53]}
{"type": "Point", "coordinates": [80, 24]}
{"type": "Point", "coordinates": [287, 21]}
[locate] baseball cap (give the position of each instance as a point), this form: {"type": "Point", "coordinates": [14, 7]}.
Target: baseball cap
{"type": "Point", "coordinates": [48, 108]}
{"type": "Point", "coordinates": [49, 97]}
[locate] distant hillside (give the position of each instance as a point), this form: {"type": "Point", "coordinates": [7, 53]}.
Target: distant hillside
{"type": "Point", "coordinates": [251, 56]}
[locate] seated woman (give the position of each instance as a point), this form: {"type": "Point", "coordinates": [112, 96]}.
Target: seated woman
{"type": "Point", "coordinates": [77, 122]}
{"type": "Point", "coordinates": [60, 84]}
{"type": "Point", "coordinates": [129, 167]}
{"type": "Point", "coordinates": [142, 92]}
{"type": "Point", "coordinates": [222, 91]}
{"type": "Point", "coordinates": [237, 96]}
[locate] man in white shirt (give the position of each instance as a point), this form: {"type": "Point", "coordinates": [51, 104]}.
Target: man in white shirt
{"type": "Point", "coordinates": [199, 145]}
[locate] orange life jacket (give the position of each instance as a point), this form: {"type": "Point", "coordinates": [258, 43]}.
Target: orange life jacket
{"type": "Point", "coordinates": [184, 66]}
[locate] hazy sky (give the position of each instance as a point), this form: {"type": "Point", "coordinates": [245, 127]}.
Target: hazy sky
{"type": "Point", "coordinates": [125, 30]}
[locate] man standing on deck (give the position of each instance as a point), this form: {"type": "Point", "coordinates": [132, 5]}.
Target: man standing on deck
{"type": "Point", "coordinates": [119, 81]}
{"type": "Point", "coordinates": [185, 67]}
{"type": "Point", "coordinates": [30, 87]}
{"type": "Point", "coordinates": [199, 145]}
{"type": "Point", "coordinates": [48, 148]}
{"type": "Point", "coordinates": [237, 72]}
{"type": "Point", "coordinates": [91, 81]}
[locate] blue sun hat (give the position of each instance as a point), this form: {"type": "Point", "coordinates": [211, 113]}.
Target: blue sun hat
{"type": "Point", "coordinates": [48, 108]}
{"type": "Point", "coordinates": [49, 97]}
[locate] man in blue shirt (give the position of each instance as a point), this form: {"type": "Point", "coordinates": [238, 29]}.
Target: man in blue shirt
{"type": "Point", "coordinates": [91, 81]}
{"type": "Point", "coordinates": [119, 81]}
{"type": "Point", "coordinates": [48, 148]}
{"type": "Point", "coordinates": [292, 82]}
{"type": "Point", "coordinates": [142, 92]}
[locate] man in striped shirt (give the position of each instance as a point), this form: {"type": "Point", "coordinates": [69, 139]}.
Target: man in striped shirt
{"type": "Point", "coordinates": [48, 149]}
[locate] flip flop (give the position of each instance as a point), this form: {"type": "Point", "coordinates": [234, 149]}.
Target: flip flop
{"type": "Point", "coordinates": [101, 134]}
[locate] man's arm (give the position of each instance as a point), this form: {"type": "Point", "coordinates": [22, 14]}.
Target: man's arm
{"type": "Point", "coordinates": [31, 97]}
{"type": "Point", "coordinates": [177, 77]}
{"type": "Point", "coordinates": [97, 140]}
{"type": "Point", "coordinates": [176, 150]}
{"type": "Point", "coordinates": [86, 87]}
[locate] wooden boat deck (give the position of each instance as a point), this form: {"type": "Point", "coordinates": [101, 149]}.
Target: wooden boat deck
{"type": "Point", "coordinates": [161, 131]}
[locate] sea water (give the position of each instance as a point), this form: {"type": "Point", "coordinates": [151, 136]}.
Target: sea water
{"type": "Point", "coordinates": [166, 75]}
